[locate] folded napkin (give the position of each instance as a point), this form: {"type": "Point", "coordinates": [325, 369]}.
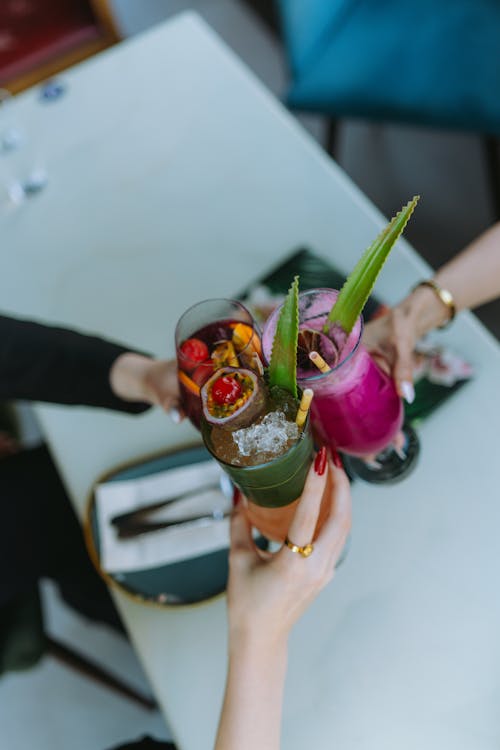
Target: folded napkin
{"type": "Point", "coordinates": [186, 540]}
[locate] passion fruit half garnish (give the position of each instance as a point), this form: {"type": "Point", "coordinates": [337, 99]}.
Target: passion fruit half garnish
{"type": "Point", "coordinates": [233, 398]}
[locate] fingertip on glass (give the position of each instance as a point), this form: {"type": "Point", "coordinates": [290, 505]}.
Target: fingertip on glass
{"type": "Point", "coordinates": [407, 391]}
{"type": "Point", "coordinates": [336, 458]}
{"type": "Point", "coordinates": [320, 462]}
{"type": "Point", "coordinates": [175, 415]}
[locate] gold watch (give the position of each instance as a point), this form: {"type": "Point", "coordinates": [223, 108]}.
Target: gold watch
{"type": "Point", "coordinates": [445, 297]}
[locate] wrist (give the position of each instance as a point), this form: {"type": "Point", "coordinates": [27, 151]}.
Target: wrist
{"type": "Point", "coordinates": [258, 641]}
{"type": "Point", "coordinates": [425, 310]}
{"type": "Point", "coordinates": [128, 377]}
{"type": "Point", "coordinates": [257, 656]}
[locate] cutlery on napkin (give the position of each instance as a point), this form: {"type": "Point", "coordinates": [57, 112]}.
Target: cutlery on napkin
{"type": "Point", "coordinates": [139, 521]}
{"type": "Point", "coordinates": [187, 505]}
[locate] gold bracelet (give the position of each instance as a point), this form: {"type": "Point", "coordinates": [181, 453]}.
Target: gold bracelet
{"type": "Point", "coordinates": [445, 297]}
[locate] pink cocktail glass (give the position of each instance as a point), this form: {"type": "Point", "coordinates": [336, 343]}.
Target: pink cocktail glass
{"type": "Point", "coordinates": [355, 405]}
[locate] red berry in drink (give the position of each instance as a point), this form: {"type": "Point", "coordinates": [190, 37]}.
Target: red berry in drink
{"type": "Point", "coordinates": [194, 351]}
{"type": "Point", "coordinates": [226, 390]}
{"type": "Point", "coordinates": [203, 372]}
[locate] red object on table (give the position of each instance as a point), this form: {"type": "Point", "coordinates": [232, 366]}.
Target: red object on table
{"type": "Point", "coordinates": [48, 35]}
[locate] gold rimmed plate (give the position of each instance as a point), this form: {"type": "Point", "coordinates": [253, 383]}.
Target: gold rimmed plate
{"type": "Point", "coordinates": [181, 583]}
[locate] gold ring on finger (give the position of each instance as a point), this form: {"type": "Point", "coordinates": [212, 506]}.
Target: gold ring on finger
{"type": "Point", "coordinates": [304, 551]}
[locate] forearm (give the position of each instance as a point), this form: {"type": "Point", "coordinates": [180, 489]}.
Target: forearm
{"type": "Point", "coordinates": [251, 714]}
{"type": "Point", "coordinates": [128, 376]}
{"type": "Point", "coordinates": [473, 276]}
{"type": "Point", "coordinates": [47, 363]}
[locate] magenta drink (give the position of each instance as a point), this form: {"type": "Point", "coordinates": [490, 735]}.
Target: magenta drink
{"type": "Point", "coordinates": [355, 405]}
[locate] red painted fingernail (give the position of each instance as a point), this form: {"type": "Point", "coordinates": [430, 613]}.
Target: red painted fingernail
{"type": "Point", "coordinates": [320, 462]}
{"type": "Point", "coordinates": [236, 497]}
{"type": "Point", "coordinates": [336, 458]}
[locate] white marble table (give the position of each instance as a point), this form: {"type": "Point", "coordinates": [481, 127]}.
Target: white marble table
{"type": "Point", "coordinates": [173, 172]}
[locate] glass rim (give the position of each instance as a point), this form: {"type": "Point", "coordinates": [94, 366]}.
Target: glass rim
{"type": "Point", "coordinates": [236, 303]}
{"type": "Point", "coordinates": [321, 375]}
{"type": "Point", "coordinates": [306, 432]}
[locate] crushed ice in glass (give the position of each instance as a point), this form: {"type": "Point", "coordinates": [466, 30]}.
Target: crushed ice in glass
{"type": "Point", "coordinates": [270, 436]}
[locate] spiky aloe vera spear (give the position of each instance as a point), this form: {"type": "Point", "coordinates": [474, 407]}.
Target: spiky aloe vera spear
{"type": "Point", "coordinates": [360, 282]}
{"type": "Point", "coordinates": [283, 364]}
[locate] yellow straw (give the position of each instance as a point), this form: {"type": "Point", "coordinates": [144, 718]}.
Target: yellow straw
{"type": "Point", "coordinates": [320, 363]}
{"type": "Point", "coordinates": [305, 403]}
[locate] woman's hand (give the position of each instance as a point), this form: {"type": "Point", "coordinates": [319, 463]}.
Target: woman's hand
{"type": "Point", "coordinates": [472, 278]}
{"type": "Point", "coordinates": [267, 593]}
{"type": "Point", "coordinates": [391, 340]}
{"type": "Point", "coordinates": [135, 377]}
{"type": "Point", "coordinates": [161, 385]}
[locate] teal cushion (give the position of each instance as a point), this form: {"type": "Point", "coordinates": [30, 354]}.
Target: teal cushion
{"type": "Point", "coordinates": [306, 26]}
{"type": "Point", "coordinates": [426, 62]}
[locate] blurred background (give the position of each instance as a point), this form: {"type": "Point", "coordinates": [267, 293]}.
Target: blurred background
{"type": "Point", "coordinates": [392, 149]}
{"type": "Point", "coordinates": [389, 161]}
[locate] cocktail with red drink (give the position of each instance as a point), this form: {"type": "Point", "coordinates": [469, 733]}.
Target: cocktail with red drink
{"type": "Point", "coordinates": [212, 334]}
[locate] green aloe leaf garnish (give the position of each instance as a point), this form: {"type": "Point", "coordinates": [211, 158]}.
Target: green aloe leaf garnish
{"type": "Point", "coordinates": [361, 280]}
{"type": "Point", "coordinates": [283, 364]}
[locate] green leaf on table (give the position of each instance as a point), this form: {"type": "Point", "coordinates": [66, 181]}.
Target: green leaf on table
{"type": "Point", "coordinates": [283, 364]}
{"type": "Point", "coordinates": [361, 280]}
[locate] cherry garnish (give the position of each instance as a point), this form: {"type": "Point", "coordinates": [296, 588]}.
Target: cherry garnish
{"type": "Point", "coordinates": [194, 351]}
{"type": "Point", "coordinates": [226, 390]}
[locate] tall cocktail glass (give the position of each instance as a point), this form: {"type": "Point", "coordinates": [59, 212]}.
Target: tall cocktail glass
{"type": "Point", "coordinates": [355, 407]}
{"type": "Point", "coordinates": [271, 487]}
{"type": "Point", "coordinates": [212, 333]}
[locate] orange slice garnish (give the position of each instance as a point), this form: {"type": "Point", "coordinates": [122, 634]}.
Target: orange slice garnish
{"type": "Point", "coordinates": [189, 384]}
